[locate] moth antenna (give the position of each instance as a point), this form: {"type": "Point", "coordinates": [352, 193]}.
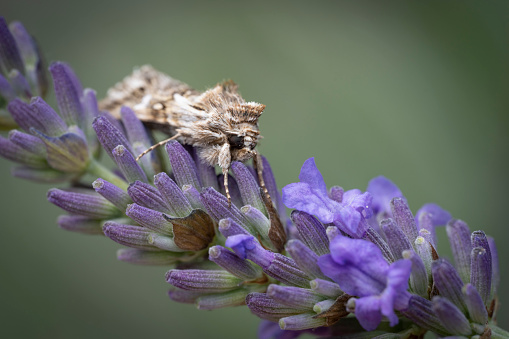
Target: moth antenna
{"type": "Point", "coordinates": [225, 175]}
{"type": "Point", "coordinates": [160, 143]}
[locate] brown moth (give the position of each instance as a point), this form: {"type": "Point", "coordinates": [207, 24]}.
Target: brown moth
{"type": "Point", "coordinates": [219, 122]}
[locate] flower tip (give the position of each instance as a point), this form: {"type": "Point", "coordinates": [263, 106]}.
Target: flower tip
{"type": "Point", "coordinates": [56, 66]}
{"type": "Point", "coordinates": [35, 100]}
{"type": "Point", "coordinates": [397, 200]}
{"type": "Point", "coordinates": [98, 184]}
{"type": "Point", "coordinates": [174, 145]}
{"type": "Point", "coordinates": [119, 150]}
{"type": "Point", "coordinates": [214, 252]}
{"type": "Point", "coordinates": [125, 110]}
{"type": "Point", "coordinates": [52, 193]}
{"type": "Point", "coordinates": [159, 176]}
{"type": "Point", "coordinates": [169, 276]}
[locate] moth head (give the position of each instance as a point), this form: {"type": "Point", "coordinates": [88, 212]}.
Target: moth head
{"type": "Point", "coordinates": [242, 142]}
{"type": "Point", "coordinates": [245, 136]}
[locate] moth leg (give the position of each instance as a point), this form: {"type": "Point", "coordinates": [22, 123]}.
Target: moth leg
{"type": "Point", "coordinates": [258, 164]}
{"type": "Point", "coordinates": [277, 232]}
{"type": "Point", "coordinates": [224, 161]}
{"type": "Point", "coordinates": [153, 147]}
{"type": "Point", "coordinates": [225, 175]}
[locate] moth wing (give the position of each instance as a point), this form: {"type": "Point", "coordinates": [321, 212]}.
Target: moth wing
{"type": "Point", "coordinates": [140, 89]}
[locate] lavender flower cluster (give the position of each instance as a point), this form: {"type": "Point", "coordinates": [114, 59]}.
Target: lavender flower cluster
{"type": "Point", "coordinates": [354, 263]}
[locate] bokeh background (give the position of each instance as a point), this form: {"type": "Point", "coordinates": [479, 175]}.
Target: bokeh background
{"type": "Point", "coordinates": [416, 91]}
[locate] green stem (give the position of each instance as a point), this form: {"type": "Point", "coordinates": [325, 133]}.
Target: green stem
{"type": "Point", "coordinates": [97, 169]}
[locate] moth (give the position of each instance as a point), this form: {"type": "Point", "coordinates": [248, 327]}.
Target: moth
{"type": "Point", "coordinates": [218, 122]}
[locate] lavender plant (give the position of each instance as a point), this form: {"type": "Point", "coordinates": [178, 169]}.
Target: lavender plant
{"type": "Point", "coordinates": [356, 264]}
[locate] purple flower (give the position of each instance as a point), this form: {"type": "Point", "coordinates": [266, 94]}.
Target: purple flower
{"type": "Point", "coordinates": [439, 216]}
{"type": "Point", "coordinates": [55, 146]}
{"type": "Point", "coordinates": [382, 288]}
{"type": "Point", "coordinates": [383, 191]}
{"type": "Point", "coordinates": [22, 70]}
{"type": "Point", "coordinates": [310, 196]}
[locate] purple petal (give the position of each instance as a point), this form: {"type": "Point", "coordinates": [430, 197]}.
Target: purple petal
{"type": "Point", "coordinates": [383, 190]}
{"type": "Point", "coordinates": [398, 274]}
{"type": "Point", "coordinates": [240, 243]}
{"type": "Point", "coordinates": [347, 265]}
{"type": "Point", "coordinates": [348, 220]}
{"type": "Point", "coordinates": [439, 216]}
{"type": "Point", "coordinates": [303, 197]}
{"type": "Point", "coordinates": [367, 311]}
{"type": "Point", "coordinates": [357, 200]}
{"type": "Point", "coordinates": [310, 174]}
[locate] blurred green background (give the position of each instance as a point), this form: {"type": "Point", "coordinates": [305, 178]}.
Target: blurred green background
{"type": "Point", "coordinates": [416, 91]}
